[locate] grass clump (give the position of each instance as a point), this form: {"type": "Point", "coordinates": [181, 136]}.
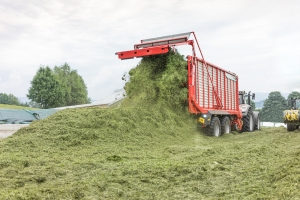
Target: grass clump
{"type": "Point", "coordinates": [148, 148]}
{"type": "Point", "coordinates": [159, 80]}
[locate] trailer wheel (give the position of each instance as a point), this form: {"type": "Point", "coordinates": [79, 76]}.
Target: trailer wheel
{"type": "Point", "coordinates": [225, 125]}
{"type": "Point", "coordinates": [248, 122]}
{"type": "Point", "coordinates": [214, 129]}
{"type": "Point", "coordinates": [290, 127]}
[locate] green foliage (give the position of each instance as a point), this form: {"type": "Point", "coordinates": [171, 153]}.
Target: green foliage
{"type": "Point", "coordinates": [75, 90]}
{"type": "Point", "coordinates": [294, 94]}
{"type": "Point", "coordinates": [26, 104]}
{"type": "Point", "coordinates": [9, 99]}
{"type": "Point", "coordinates": [46, 89]}
{"type": "Point", "coordinates": [59, 87]}
{"type": "Point", "coordinates": [35, 105]}
{"type": "Point", "coordinates": [273, 108]}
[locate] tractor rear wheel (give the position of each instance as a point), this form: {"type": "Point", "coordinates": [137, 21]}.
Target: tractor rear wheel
{"type": "Point", "coordinates": [225, 125]}
{"type": "Point", "coordinates": [290, 127]}
{"type": "Point", "coordinates": [214, 129]}
{"type": "Point", "coordinates": [248, 122]}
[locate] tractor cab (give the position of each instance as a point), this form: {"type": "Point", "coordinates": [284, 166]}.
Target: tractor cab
{"type": "Point", "coordinates": [244, 98]}
{"type": "Point", "coordinates": [294, 103]}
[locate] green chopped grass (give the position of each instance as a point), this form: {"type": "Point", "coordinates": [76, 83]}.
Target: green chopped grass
{"type": "Point", "coordinates": [148, 148]}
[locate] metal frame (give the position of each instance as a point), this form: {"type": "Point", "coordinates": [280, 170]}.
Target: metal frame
{"type": "Point", "coordinates": [143, 52]}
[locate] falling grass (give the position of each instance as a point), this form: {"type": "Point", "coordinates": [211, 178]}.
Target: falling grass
{"type": "Point", "coordinates": [146, 149]}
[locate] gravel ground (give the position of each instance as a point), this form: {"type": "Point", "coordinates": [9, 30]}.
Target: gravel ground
{"type": "Point", "coordinates": [7, 130]}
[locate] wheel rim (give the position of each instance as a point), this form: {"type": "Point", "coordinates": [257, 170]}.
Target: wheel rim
{"type": "Point", "coordinates": [227, 126]}
{"type": "Point", "coordinates": [251, 123]}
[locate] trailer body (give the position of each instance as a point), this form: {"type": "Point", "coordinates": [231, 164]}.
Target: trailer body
{"type": "Point", "coordinates": [213, 93]}
{"type": "Point", "coordinates": [211, 90]}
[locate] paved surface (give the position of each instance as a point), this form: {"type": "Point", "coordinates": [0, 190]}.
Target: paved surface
{"type": "Point", "coordinates": [9, 129]}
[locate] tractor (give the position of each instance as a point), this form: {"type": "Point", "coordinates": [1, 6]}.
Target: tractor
{"type": "Point", "coordinates": [291, 117]}
{"type": "Point", "coordinates": [251, 118]}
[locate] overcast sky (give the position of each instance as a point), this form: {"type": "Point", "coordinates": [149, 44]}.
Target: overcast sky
{"type": "Point", "coordinates": [257, 40]}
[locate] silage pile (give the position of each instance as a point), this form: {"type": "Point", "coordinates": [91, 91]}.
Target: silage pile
{"type": "Point", "coordinates": [155, 107]}
{"type": "Point", "coordinates": [159, 80]}
{"type": "Point", "coordinates": [75, 151]}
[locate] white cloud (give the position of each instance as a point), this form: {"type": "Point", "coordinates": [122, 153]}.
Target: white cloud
{"type": "Point", "coordinates": [11, 83]}
{"type": "Point", "coordinates": [256, 40]}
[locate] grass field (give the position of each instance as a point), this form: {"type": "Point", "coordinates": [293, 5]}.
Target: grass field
{"type": "Point", "coordinates": [144, 157]}
{"type": "Point", "coordinates": [6, 106]}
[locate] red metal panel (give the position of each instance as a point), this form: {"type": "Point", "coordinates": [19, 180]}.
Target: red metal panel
{"type": "Point", "coordinates": [143, 52]}
{"type": "Point", "coordinates": [208, 84]}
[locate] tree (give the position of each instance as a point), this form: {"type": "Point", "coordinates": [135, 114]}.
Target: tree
{"type": "Point", "coordinates": [46, 89]}
{"type": "Point", "coordinates": [26, 104]}
{"type": "Point", "coordinates": [75, 90]}
{"type": "Point", "coordinates": [9, 99]}
{"type": "Point", "coordinates": [295, 94]}
{"type": "Point", "coordinates": [273, 108]}
{"type": "Point", "coordinates": [33, 104]}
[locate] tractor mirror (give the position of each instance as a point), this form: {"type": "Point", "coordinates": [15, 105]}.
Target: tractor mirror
{"type": "Point", "coordinates": [253, 96]}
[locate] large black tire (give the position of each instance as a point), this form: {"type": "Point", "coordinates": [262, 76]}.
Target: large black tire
{"type": "Point", "coordinates": [225, 125]}
{"type": "Point", "coordinates": [257, 123]}
{"type": "Point", "coordinates": [290, 127]}
{"type": "Point", "coordinates": [214, 129]}
{"type": "Point", "coordinates": [248, 122]}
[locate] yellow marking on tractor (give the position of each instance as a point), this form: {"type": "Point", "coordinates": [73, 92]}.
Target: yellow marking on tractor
{"type": "Point", "coordinates": [291, 115]}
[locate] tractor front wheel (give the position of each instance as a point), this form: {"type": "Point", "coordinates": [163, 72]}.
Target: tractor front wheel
{"type": "Point", "coordinates": [290, 127]}
{"type": "Point", "coordinates": [248, 122]}
{"type": "Point", "coordinates": [257, 124]}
